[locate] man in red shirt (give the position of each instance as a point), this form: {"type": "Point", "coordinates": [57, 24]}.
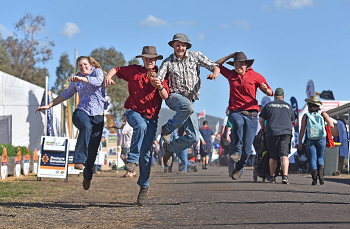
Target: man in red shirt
{"type": "Point", "coordinates": [143, 105]}
{"type": "Point", "coordinates": [243, 106]}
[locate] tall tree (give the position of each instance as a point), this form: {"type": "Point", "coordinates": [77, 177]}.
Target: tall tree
{"type": "Point", "coordinates": [26, 53]}
{"type": "Point", "coordinates": [63, 71]}
{"type": "Point", "coordinates": [133, 61]}
{"type": "Point", "coordinates": [108, 59]}
{"type": "Point", "coordinates": [5, 58]}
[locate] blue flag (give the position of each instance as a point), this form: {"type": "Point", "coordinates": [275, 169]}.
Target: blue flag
{"type": "Point", "coordinates": [50, 131]}
{"type": "Point", "coordinates": [293, 102]}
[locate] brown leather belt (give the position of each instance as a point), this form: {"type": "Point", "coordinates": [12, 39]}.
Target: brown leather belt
{"type": "Point", "coordinates": [154, 117]}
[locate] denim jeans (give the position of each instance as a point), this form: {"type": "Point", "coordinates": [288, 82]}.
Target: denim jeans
{"type": "Point", "coordinates": [231, 164]}
{"type": "Point", "coordinates": [316, 148]}
{"type": "Point", "coordinates": [242, 135]}
{"type": "Point", "coordinates": [183, 160]}
{"type": "Point", "coordinates": [89, 138]}
{"type": "Point", "coordinates": [186, 115]}
{"type": "Point", "coordinates": [141, 144]}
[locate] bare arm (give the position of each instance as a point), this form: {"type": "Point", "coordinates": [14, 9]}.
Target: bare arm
{"type": "Point", "coordinates": [78, 78]}
{"type": "Point", "coordinates": [328, 120]}
{"type": "Point", "coordinates": [302, 131]}
{"type": "Point", "coordinates": [265, 89]}
{"type": "Point", "coordinates": [224, 59]}
{"type": "Point", "coordinates": [108, 81]}
{"type": "Point", "coordinates": [216, 73]}
{"type": "Point", "coordinates": [158, 84]}
{"type": "Point", "coordinates": [262, 124]}
{"type": "Point", "coordinates": [56, 101]}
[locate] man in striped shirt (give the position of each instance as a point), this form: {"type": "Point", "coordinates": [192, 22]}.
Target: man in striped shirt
{"type": "Point", "coordinates": [183, 69]}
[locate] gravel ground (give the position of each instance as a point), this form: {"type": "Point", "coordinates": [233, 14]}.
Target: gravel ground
{"type": "Point", "coordinates": [206, 199]}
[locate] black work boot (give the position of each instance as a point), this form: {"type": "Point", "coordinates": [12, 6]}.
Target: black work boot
{"type": "Point", "coordinates": [320, 169]}
{"type": "Point", "coordinates": [314, 176]}
{"type": "Point", "coordinates": [142, 198]}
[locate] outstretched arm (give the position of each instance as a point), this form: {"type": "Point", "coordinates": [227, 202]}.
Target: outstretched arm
{"type": "Point", "coordinates": [108, 81]}
{"type": "Point", "coordinates": [215, 74]}
{"type": "Point", "coordinates": [224, 59]}
{"type": "Point", "coordinates": [56, 101]}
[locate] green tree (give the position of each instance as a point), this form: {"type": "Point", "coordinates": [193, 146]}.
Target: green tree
{"type": "Point", "coordinates": [133, 61]}
{"type": "Point", "coordinates": [63, 71]}
{"type": "Point", "coordinates": [26, 53]}
{"type": "Point", "coordinates": [108, 59]}
{"type": "Point", "coordinates": [5, 58]}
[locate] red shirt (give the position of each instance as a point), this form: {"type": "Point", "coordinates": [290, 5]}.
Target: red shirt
{"type": "Point", "coordinates": [143, 97]}
{"type": "Point", "coordinates": [243, 91]}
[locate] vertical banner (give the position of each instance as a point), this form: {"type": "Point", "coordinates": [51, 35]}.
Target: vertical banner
{"type": "Point", "coordinates": [310, 89]}
{"type": "Point", "coordinates": [35, 161]}
{"type": "Point", "coordinates": [294, 103]}
{"type": "Point", "coordinates": [26, 164]}
{"type": "Point", "coordinates": [265, 100]}
{"type": "Point", "coordinates": [18, 162]}
{"type": "Point", "coordinates": [49, 131]}
{"type": "Point", "coordinates": [343, 139]}
{"type": "Point", "coordinates": [4, 164]}
{"type": "Point", "coordinates": [69, 113]}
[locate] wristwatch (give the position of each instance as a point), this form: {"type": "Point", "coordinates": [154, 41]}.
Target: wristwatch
{"type": "Point", "coordinates": [161, 88]}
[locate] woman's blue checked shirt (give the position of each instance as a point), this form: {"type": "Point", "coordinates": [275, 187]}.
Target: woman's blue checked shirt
{"type": "Point", "coordinates": [91, 96]}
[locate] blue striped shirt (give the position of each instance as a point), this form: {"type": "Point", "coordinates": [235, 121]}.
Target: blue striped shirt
{"type": "Point", "coordinates": [92, 95]}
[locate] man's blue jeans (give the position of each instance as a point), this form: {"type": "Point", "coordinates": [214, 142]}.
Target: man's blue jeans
{"type": "Point", "coordinates": [242, 135]}
{"type": "Point", "coordinates": [316, 148]}
{"type": "Point", "coordinates": [89, 138]}
{"type": "Point", "coordinates": [186, 115]}
{"type": "Point", "coordinates": [184, 160]}
{"type": "Point", "coordinates": [141, 144]}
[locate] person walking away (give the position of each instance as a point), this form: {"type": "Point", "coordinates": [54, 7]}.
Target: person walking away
{"type": "Point", "coordinates": [100, 157]}
{"type": "Point", "coordinates": [143, 105]}
{"type": "Point", "coordinates": [205, 145]}
{"type": "Point", "coordinates": [314, 122]}
{"type": "Point", "coordinates": [280, 118]}
{"type": "Point", "coordinates": [183, 68]}
{"type": "Point", "coordinates": [243, 106]}
{"type": "Point", "coordinates": [88, 117]}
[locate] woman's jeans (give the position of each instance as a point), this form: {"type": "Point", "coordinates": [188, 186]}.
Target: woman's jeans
{"type": "Point", "coordinates": [316, 148]}
{"type": "Point", "coordinates": [141, 144]}
{"type": "Point", "coordinates": [242, 135]}
{"type": "Point", "coordinates": [186, 115]}
{"type": "Point", "coordinates": [89, 138]}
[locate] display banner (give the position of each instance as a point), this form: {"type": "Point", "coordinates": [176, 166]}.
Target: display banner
{"type": "Point", "coordinates": [343, 139]}
{"type": "Point", "coordinates": [294, 103]}
{"type": "Point", "coordinates": [35, 161]}
{"type": "Point", "coordinates": [54, 157]}
{"type": "Point", "coordinates": [4, 164]}
{"type": "Point", "coordinates": [18, 162]}
{"type": "Point", "coordinates": [26, 164]}
{"type": "Point", "coordinates": [265, 100]}
{"type": "Point", "coordinates": [310, 89]}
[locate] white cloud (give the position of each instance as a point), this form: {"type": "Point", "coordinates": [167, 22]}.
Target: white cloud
{"type": "Point", "coordinates": [152, 21]}
{"type": "Point", "coordinates": [4, 31]}
{"type": "Point", "coordinates": [237, 23]}
{"type": "Point", "coordinates": [293, 4]}
{"type": "Point", "coordinates": [265, 7]}
{"type": "Point", "coordinates": [200, 36]}
{"type": "Point", "coordinates": [70, 29]}
{"type": "Point", "coordinates": [185, 23]}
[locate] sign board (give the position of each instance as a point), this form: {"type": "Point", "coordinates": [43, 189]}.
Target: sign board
{"type": "Point", "coordinates": [4, 164]}
{"type": "Point", "coordinates": [71, 170]}
{"type": "Point", "coordinates": [18, 163]}
{"type": "Point", "coordinates": [26, 164]}
{"type": "Point", "coordinates": [35, 161]}
{"type": "Point", "coordinates": [53, 157]}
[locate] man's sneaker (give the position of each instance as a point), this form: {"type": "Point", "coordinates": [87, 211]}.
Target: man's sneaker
{"type": "Point", "coordinates": [130, 167]}
{"type": "Point", "coordinates": [235, 157]}
{"type": "Point", "coordinates": [142, 198]}
{"type": "Point", "coordinates": [272, 179]}
{"type": "Point", "coordinates": [285, 179]}
{"type": "Point", "coordinates": [168, 156]}
{"type": "Point", "coordinates": [165, 134]}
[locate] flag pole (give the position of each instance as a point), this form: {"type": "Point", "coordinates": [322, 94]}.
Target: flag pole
{"type": "Point", "coordinates": [46, 101]}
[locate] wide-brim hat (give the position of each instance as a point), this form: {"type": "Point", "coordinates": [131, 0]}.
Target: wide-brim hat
{"type": "Point", "coordinates": [181, 37]}
{"type": "Point", "coordinates": [150, 52]}
{"type": "Point", "coordinates": [314, 100]}
{"type": "Point", "coordinates": [239, 57]}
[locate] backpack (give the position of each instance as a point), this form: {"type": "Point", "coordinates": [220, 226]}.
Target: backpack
{"type": "Point", "coordinates": [315, 126]}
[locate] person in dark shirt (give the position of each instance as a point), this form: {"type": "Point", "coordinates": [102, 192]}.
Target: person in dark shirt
{"type": "Point", "coordinates": [280, 118]}
{"type": "Point", "coordinates": [205, 146]}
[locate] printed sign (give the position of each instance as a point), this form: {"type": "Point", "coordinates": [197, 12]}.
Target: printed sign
{"type": "Point", "coordinates": [26, 164]}
{"type": "Point", "coordinates": [310, 89]}
{"type": "Point", "coordinates": [4, 164]}
{"type": "Point", "coordinates": [18, 162]}
{"type": "Point", "coordinates": [343, 139]}
{"type": "Point", "coordinates": [35, 161]}
{"type": "Point", "coordinates": [54, 159]}
{"type": "Point", "coordinates": [71, 169]}
{"type": "Point", "coordinates": [265, 100]}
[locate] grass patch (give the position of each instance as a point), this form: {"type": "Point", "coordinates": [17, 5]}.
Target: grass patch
{"type": "Point", "coordinates": [13, 189]}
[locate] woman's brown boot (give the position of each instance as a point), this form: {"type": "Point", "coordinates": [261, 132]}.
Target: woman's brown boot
{"type": "Point", "coordinates": [314, 176]}
{"type": "Point", "coordinates": [320, 169]}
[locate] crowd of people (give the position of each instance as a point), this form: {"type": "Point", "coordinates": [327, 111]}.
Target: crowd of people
{"type": "Point", "coordinates": [177, 82]}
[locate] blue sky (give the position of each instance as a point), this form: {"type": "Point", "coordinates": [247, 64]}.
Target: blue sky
{"type": "Point", "coordinates": [291, 41]}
